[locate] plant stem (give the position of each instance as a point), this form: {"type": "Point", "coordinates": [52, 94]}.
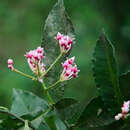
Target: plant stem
{"type": "Point", "coordinates": [4, 108]}
{"type": "Point", "coordinates": [53, 85]}
{"type": "Point", "coordinates": [44, 113]}
{"type": "Point", "coordinates": [51, 66]}
{"type": "Point", "coordinates": [26, 75]}
{"type": "Point", "coordinates": [48, 95]}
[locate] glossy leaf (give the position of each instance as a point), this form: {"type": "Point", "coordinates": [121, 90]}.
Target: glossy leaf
{"type": "Point", "coordinates": [77, 111]}
{"type": "Point", "coordinates": [26, 103]}
{"type": "Point", "coordinates": [106, 74]}
{"type": "Point", "coordinates": [10, 121]}
{"type": "Point", "coordinates": [65, 108]}
{"type": "Point", "coordinates": [124, 81]}
{"type": "Point", "coordinates": [59, 124]}
{"type": "Point", "coordinates": [55, 123]}
{"type": "Point", "coordinates": [40, 124]}
{"type": "Point", "coordinates": [57, 21]}
{"type": "Point", "coordinates": [95, 114]}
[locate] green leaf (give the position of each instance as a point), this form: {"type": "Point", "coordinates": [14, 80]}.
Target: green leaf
{"type": "Point", "coordinates": [43, 127]}
{"type": "Point", "coordinates": [9, 120]}
{"type": "Point", "coordinates": [95, 115]}
{"type": "Point", "coordinates": [57, 21]}
{"type": "Point", "coordinates": [124, 82]}
{"type": "Point", "coordinates": [106, 74]}
{"type": "Point", "coordinates": [26, 103]}
{"type": "Point", "coordinates": [126, 125]}
{"type": "Point", "coordinates": [51, 122]}
{"type": "Point", "coordinates": [65, 108]}
{"type": "Point", "coordinates": [59, 124]}
{"type": "Point", "coordinates": [40, 124]}
{"type": "Point", "coordinates": [26, 127]}
{"type": "Point", "coordinates": [55, 123]}
{"type": "Point", "coordinates": [77, 111]}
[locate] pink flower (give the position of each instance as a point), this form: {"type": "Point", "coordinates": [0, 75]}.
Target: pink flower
{"type": "Point", "coordinates": [125, 109]}
{"type": "Point", "coordinates": [34, 59]}
{"type": "Point", "coordinates": [10, 64]}
{"type": "Point", "coordinates": [69, 69]}
{"type": "Point", "coordinates": [65, 42]}
{"type": "Point", "coordinates": [59, 36]}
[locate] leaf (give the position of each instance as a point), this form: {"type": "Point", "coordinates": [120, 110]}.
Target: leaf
{"type": "Point", "coordinates": [59, 124]}
{"type": "Point", "coordinates": [51, 122]}
{"type": "Point", "coordinates": [43, 127]}
{"type": "Point", "coordinates": [10, 121]}
{"type": "Point", "coordinates": [126, 125]}
{"type": "Point", "coordinates": [95, 115]}
{"type": "Point", "coordinates": [77, 111]}
{"type": "Point", "coordinates": [26, 127]}
{"type": "Point", "coordinates": [124, 82]}
{"type": "Point", "coordinates": [106, 74]}
{"type": "Point", "coordinates": [65, 108]}
{"type": "Point", "coordinates": [57, 21]}
{"type": "Point", "coordinates": [36, 122]}
{"type": "Point", "coordinates": [40, 124]}
{"type": "Point", "coordinates": [26, 103]}
{"type": "Point", "coordinates": [55, 123]}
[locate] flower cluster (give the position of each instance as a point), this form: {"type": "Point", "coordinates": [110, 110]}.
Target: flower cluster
{"type": "Point", "coordinates": [125, 109]}
{"type": "Point", "coordinates": [35, 61]}
{"type": "Point", "coordinates": [69, 70]}
{"type": "Point", "coordinates": [65, 42]}
{"type": "Point", "coordinates": [34, 58]}
{"type": "Point", "coordinates": [10, 64]}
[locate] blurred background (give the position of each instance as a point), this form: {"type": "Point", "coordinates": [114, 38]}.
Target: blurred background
{"type": "Point", "coordinates": [21, 25]}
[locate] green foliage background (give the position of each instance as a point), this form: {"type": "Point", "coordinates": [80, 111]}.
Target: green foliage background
{"type": "Point", "coordinates": [21, 26]}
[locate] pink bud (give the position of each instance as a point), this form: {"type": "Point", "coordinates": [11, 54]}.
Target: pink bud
{"type": "Point", "coordinates": [66, 48]}
{"type": "Point", "coordinates": [69, 70]}
{"type": "Point", "coordinates": [74, 69]}
{"type": "Point", "coordinates": [34, 59]}
{"type": "Point", "coordinates": [30, 62]}
{"type": "Point", "coordinates": [34, 65]}
{"type": "Point", "coordinates": [74, 75]}
{"type": "Point", "coordinates": [10, 61]}
{"type": "Point", "coordinates": [67, 74]}
{"type": "Point", "coordinates": [59, 36]}
{"type": "Point", "coordinates": [71, 60]}
{"type": "Point", "coordinates": [10, 67]}
{"type": "Point", "coordinates": [28, 55]}
{"type": "Point", "coordinates": [69, 40]}
{"type": "Point", "coordinates": [65, 42]}
{"type": "Point", "coordinates": [39, 50]}
{"type": "Point", "coordinates": [65, 65]}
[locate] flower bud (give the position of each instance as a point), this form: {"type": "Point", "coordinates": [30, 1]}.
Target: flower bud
{"type": "Point", "coordinates": [69, 70]}
{"type": "Point", "coordinates": [119, 116]}
{"type": "Point", "coordinates": [10, 64]}
{"type": "Point", "coordinates": [65, 42]}
{"type": "Point", "coordinates": [59, 36]}
{"type": "Point", "coordinates": [34, 59]}
{"type": "Point", "coordinates": [125, 109]}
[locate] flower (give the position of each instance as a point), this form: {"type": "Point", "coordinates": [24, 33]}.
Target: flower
{"type": "Point", "coordinates": [125, 109]}
{"type": "Point", "coordinates": [10, 64]}
{"type": "Point", "coordinates": [69, 70]}
{"type": "Point", "coordinates": [119, 116]}
{"type": "Point", "coordinates": [34, 59]}
{"type": "Point", "coordinates": [65, 42]}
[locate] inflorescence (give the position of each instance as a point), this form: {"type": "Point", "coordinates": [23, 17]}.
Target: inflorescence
{"type": "Point", "coordinates": [65, 42]}
{"type": "Point", "coordinates": [125, 110]}
{"type": "Point", "coordinates": [36, 57]}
